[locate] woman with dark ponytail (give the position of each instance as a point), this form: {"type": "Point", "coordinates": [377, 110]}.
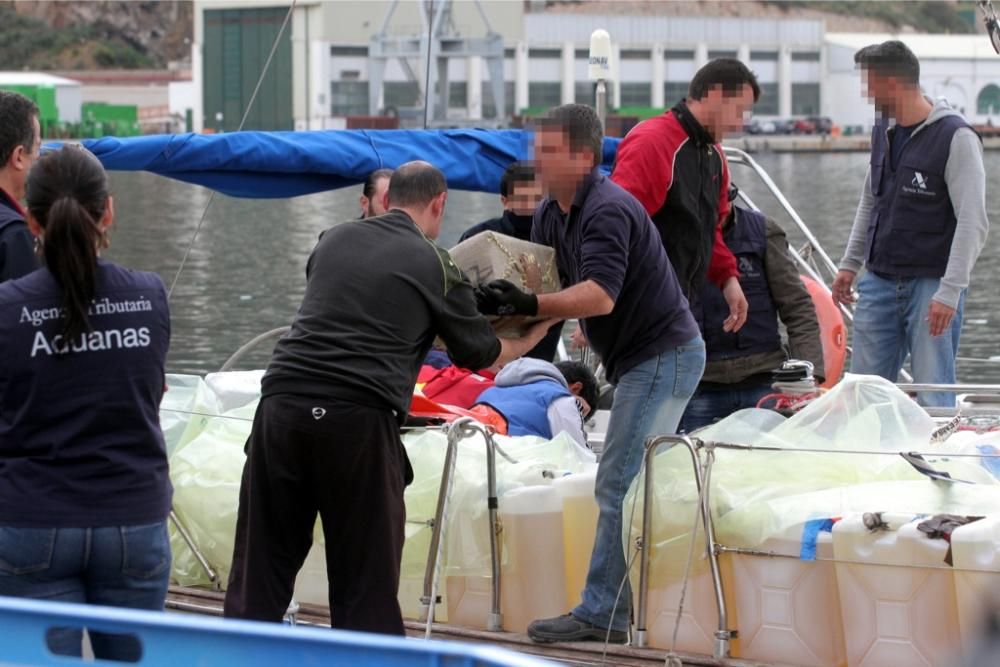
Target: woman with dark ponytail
{"type": "Point", "coordinates": [84, 485]}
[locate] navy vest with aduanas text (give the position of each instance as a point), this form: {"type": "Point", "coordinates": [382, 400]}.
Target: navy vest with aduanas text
{"type": "Point", "coordinates": [747, 238]}
{"type": "Point", "coordinates": [913, 222]}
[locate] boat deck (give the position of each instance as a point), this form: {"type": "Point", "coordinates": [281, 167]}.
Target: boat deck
{"type": "Point", "coordinates": [579, 654]}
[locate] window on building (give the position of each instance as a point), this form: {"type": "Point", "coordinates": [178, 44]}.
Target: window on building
{"type": "Point", "coordinates": [678, 54]}
{"type": "Point", "coordinates": [544, 53]}
{"type": "Point", "coordinates": [401, 94]}
{"type": "Point", "coordinates": [348, 98]}
{"type": "Point", "coordinates": [674, 92]}
{"type": "Point", "coordinates": [636, 94]}
{"type": "Point", "coordinates": [582, 54]}
{"type": "Point", "coordinates": [544, 95]}
{"type": "Point", "coordinates": [764, 56]}
{"type": "Point", "coordinates": [458, 94]}
{"type": "Point", "coordinates": [805, 99]}
{"type": "Point", "coordinates": [635, 54]}
{"type": "Point", "coordinates": [347, 50]}
{"type": "Point", "coordinates": [767, 105]}
{"type": "Point", "coordinates": [489, 104]}
{"type": "Point", "coordinates": [720, 53]}
{"type": "Point", "coordinates": [805, 56]}
{"type": "Point", "coordinates": [988, 100]}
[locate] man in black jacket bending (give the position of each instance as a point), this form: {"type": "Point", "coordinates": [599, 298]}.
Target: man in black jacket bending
{"type": "Point", "coordinates": [325, 438]}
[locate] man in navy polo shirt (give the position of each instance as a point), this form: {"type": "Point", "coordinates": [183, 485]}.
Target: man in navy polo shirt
{"type": "Point", "coordinates": [618, 281]}
{"type": "Point", "coordinates": [19, 143]}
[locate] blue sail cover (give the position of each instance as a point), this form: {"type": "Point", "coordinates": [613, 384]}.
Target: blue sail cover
{"type": "Point", "coordinates": [288, 164]}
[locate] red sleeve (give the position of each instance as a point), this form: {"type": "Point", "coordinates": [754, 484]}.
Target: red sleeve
{"type": "Point", "coordinates": [722, 265]}
{"type": "Point", "coordinates": [642, 169]}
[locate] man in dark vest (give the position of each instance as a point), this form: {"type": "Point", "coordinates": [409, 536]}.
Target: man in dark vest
{"type": "Point", "coordinates": [20, 140]}
{"type": "Point", "coordinates": [919, 228]}
{"type": "Point", "coordinates": [738, 371]}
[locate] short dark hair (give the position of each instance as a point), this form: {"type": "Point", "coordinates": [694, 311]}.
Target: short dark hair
{"type": "Point", "coordinates": [416, 184]}
{"type": "Point", "coordinates": [574, 371]}
{"type": "Point", "coordinates": [373, 178]}
{"type": "Point", "coordinates": [891, 58]}
{"type": "Point", "coordinates": [16, 128]}
{"type": "Point", "coordinates": [730, 73]}
{"type": "Point", "coordinates": [581, 126]}
{"type": "Point", "coordinates": [517, 172]}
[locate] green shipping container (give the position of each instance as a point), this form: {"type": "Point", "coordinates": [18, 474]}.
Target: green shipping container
{"type": "Point", "coordinates": [236, 46]}
{"type": "Point", "coordinates": [45, 98]}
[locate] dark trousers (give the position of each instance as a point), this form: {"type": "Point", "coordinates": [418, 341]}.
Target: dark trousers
{"type": "Point", "coordinates": [346, 463]}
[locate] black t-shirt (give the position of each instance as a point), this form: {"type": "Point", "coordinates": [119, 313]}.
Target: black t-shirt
{"type": "Point", "coordinates": [378, 292]}
{"type": "Point", "coordinates": [80, 438]}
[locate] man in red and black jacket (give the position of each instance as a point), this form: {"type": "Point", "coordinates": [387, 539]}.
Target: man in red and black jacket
{"type": "Point", "coordinates": [675, 166]}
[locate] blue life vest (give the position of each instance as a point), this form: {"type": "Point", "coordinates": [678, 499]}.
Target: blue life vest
{"type": "Point", "coordinates": [747, 239]}
{"type": "Point", "coordinates": [525, 406]}
{"type": "Point", "coordinates": [913, 222]}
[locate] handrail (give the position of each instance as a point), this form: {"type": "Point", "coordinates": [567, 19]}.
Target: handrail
{"type": "Point", "coordinates": [252, 343]}
{"type": "Point", "coordinates": [735, 155]}
{"type": "Point", "coordinates": [460, 428]}
{"type": "Point", "coordinates": [723, 635]}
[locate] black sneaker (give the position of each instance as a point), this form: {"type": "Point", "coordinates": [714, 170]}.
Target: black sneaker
{"type": "Point", "coordinates": [569, 628]}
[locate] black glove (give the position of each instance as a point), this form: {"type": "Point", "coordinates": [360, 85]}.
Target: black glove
{"type": "Point", "coordinates": [502, 297]}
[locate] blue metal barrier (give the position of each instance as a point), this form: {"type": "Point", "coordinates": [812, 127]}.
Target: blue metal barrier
{"type": "Point", "coordinates": [175, 640]}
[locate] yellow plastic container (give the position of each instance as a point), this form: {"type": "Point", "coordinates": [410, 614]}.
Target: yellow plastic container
{"type": "Point", "coordinates": [534, 578]}
{"type": "Point", "coordinates": [789, 609]}
{"type": "Point", "coordinates": [532, 582]}
{"type": "Point", "coordinates": [897, 595]}
{"type": "Point", "coordinates": [975, 550]}
{"type": "Point", "coordinates": [579, 510]}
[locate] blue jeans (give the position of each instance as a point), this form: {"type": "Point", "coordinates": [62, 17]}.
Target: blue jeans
{"type": "Point", "coordinates": [709, 406]}
{"type": "Point", "coordinates": [891, 321]}
{"type": "Point", "coordinates": [649, 400]}
{"type": "Point", "coordinates": [126, 566]}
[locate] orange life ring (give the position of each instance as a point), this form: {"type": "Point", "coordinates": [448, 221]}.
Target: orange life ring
{"type": "Point", "coordinates": [833, 332]}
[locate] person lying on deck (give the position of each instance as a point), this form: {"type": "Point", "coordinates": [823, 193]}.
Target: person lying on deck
{"type": "Point", "coordinates": [535, 397]}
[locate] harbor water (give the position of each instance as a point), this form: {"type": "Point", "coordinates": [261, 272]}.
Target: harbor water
{"type": "Point", "coordinates": [246, 272]}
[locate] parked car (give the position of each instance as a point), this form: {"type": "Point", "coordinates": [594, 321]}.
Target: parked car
{"type": "Point", "coordinates": [759, 126]}
{"type": "Point", "coordinates": [803, 126]}
{"type": "Point", "coordinates": [784, 126]}
{"type": "Point", "coordinates": [821, 124]}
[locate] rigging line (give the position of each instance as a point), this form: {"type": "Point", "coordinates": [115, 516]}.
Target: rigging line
{"type": "Point", "coordinates": [246, 114]}
{"type": "Point", "coordinates": [427, 71]}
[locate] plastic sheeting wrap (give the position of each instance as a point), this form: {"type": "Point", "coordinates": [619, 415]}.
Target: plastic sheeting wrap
{"type": "Point", "coordinates": [756, 495]}
{"type": "Point", "coordinates": [207, 458]}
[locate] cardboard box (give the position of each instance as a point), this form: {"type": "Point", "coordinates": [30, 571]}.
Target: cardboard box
{"type": "Point", "coordinates": [492, 256]}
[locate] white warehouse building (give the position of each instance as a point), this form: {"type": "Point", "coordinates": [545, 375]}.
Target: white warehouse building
{"type": "Point", "coordinates": [333, 50]}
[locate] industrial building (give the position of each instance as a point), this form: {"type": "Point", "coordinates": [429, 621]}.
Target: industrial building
{"type": "Point", "coordinates": [359, 58]}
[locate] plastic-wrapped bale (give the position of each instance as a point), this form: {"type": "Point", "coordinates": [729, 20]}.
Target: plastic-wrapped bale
{"type": "Point", "coordinates": [492, 256]}
{"type": "Point", "coordinates": [183, 409]}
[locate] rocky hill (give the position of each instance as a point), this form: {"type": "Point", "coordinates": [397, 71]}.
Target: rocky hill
{"type": "Point", "coordinates": [840, 16]}
{"type": "Point", "coordinates": [49, 35]}
{"type": "Point", "coordinates": [94, 35]}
